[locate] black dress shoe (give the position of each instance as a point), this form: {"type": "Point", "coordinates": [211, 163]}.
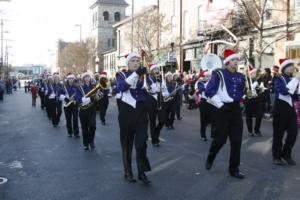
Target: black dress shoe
{"type": "Point", "coordinates": [92, 145]}
{"type": "Point", "coordinates": [208, 165]}
{"type": "Point", "coordinates": [204, 139]}
{"type": "Point", "coordinates": [129, 177]}
{"type": "Point", "coordinates": [251, 134]}
{"type": "Point", "coordinates": [69, 136]}
{"type": "Point", "coordinates": [258, 134]}
{"type": "Point", "coordinates": [86, 148]}
{"type": "Point", "coordinates": [290, 161]}
{"type": "Point", "coordinates": [156, 144]}
{"type": "Point", "coordinates": [278, 161]}
{"type": "Point", "coordinates": [103, 123]}
{"type": "Point", "coordinates": [142, 177]}
{"type": "Point", "coordinates": [77, 136]}
{"type": "Point", "coordinates": [238, 175]}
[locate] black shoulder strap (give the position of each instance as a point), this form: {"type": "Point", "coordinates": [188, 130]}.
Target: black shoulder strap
{"type": "Point", "coordinates": [282, 78]}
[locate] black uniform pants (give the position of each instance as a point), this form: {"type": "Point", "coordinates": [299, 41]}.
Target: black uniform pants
{"type": "Point", "coordinates": [71, 114]}
{"type": "Point", "coordinates": [119, 101]}
{"type": "Point", "coordinates": [133, 129]}
{"type": "Point", "coordinates": [170, 108]}
{"type": "Point", "coordinates": [154, 114]}
{"type": "Point", "coordinates": [228, 123]}
{"type": "Point", "coordinates": [254, 109]}
{"type": "Point", "coordinates": [88, 124]}
{"type": "Point", "coordinates": [103, 105]}
{"type": "Point", "coordinates": [1, 95]}
{"type": "Point", "coordinates": [284, 119]}
{"type": "Point", "coordinates": [178, 100]}
{"type": "Point", "coordinates": [47, 104]}
{"type": "Point", "coordinates": [55, 109]}
{"type": "Point", "coordinates": [42, 98]}
{"type": "Point", "coordinates": [205, 117]}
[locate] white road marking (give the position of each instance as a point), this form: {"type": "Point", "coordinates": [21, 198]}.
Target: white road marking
{"type": "Point", "coordinates": [3, 180]}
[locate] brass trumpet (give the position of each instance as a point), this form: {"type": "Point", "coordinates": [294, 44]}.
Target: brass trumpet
{"type": "Point", "coordinates": [103, 84]}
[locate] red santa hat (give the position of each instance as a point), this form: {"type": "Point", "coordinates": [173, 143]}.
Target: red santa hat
{"type": "Point", "coordinates": [84, 74]}
{"type": "Point", "coordinates": [130, 56]}
{"type": "Point", "coordinates": [55, 74]}
{"type": "Point", "coordinates": [103, 74]}
{"type": "Point", "coordinates": [284, 62]}
{"type": "Point", "coordinates": [152, 67]}
{"type": "Point", "coordinates": [252, 69]}
{"type": "Point", "coordinates": [230, 55]}
{"type": "Point", "coordinates": [275, 69]}
{"type": "Point", "coordinates": [70, 75]}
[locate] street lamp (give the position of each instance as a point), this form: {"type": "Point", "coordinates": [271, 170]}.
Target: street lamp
{"type": "Point", "coordinates": [97, 60]}
{"type": "Point", "coordinates": [80, 27]}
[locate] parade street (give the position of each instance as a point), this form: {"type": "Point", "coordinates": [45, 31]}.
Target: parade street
{"type": "Point", "coordinates": [42, 163]}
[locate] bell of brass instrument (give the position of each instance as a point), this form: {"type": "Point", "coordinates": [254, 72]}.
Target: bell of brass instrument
{"type": "Point", "coordinates": [91, 93]}
{"type": "Point", "coordinates": [104, 83]}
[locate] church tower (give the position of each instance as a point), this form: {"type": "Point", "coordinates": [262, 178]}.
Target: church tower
{"type": "Point", "coordinates": [105, 13]}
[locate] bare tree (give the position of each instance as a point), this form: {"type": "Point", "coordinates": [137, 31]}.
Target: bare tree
{"type": "Point", "coordinates": [77, 57]}
{"type": "Point", "coordinates": [254, 15]}
{"type": "Point", "coordinates": [147, 27]}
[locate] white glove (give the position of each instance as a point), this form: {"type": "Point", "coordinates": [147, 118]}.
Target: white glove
{"type": "Point", "coordinates": [46, 91]}
{"type": "Point", "coordinates": [52, 96]}
{"type": "Point", "coordinates": [42, 89]}
{"type": "Point", "coordinates": [100, 94]}
{"type": "Point", "coordinates": [62, 97]}
{"type": "Point", "coordinates": [85, 100]}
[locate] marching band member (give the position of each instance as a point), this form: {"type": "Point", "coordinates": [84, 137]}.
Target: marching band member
{"type": "Point", "coordinates": [49, 82]}
{"type": "Point", "coordinates": [104, 101]}
{"type": "Point", "coordinates": [41, 91]}
{"type": "Point", "coordinates": [154, 103]}
{"type": "Point", "coordinates": [133, 120]}
{"type": "Point", "coordinates": [178, 96]}
{"type": "Point", "coordinates": [87, 115]}
{"type": "Point", "coordinates": [70, 107]}
{"type": "Point", "coordinates": [55, 91]}
{"type": "Point", "coordinates": [225, 90]}
{"type": "Point", "coordinates": [204, 108]}
{"type": "Point", "coordinates": [254, 104]}
{"type": "Point", "coordinates": [284, 116]}
{"type": "Point", "coordinates": [170, 106]}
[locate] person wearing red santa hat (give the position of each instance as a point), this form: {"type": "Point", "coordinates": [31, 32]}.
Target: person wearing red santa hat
{"type": "Point", "coordinates": [284, 115]}
{"type": "Point", "coordinates": [155, 104]}
{"type": "Point", "coordinates": [55, 93]}
{"type": "Point", "coordinates": [87, 111]}
{"type": "Point", "coordinates": [204, 108]}
{"type": "Point", "coordinates": [254, 103]}
{"type": "Point", "coordinates": [104, 101]}
{"type": "Point", "coordinates": [70, 106]}
{"type": "Point", "coordinates": [225, 91]}
{"type": "Point", "coordinates": [133, 120]}
{"type": "Point", "coordinates": [170, 106]}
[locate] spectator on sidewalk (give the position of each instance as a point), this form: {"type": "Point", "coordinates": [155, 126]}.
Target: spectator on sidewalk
{"type": "Point", "coordinates": [34, 91]}
{"type": "Point", "coordinates": [2, 88]}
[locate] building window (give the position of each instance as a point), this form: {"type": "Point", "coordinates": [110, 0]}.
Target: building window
{"type": "Point", "coordinates": [105, 16]}
{"type": "Point", "coordinates": [173, 24]}
{"type": "Point", "coordinates": [113, 42]}
{"type": "Point", "coordinates": [297, 7]}
{"type": "Point", "coordinates": [109, 42]}
{"type": "Point", "coordinates": [268, 10]}
{"type": "Point", "coordinates": [185, 25]}
{"type": "Point", "coordinates": [117, 16]}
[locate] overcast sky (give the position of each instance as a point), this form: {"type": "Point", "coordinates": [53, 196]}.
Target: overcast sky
{"type": "Point", "coordinates": [36, 25]}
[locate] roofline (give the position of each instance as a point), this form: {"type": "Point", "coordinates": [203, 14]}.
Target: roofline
{"type": "Point", "coordinates": [128, 18]}
{"type": "Point", "coordinates": [96, 3]}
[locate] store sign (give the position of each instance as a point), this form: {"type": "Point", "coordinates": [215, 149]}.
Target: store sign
{"type": "Point", "coordinates": [172, 57]}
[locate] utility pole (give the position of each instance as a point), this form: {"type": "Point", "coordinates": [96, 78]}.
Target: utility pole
{"type": "Point", "coordinates": [132, 21]}
{"type": "Point", "coordinates": [158, 26]}
{"type": "Point", "coordinates": [181, 35]}
{"type": "Point", "coordinates": [288, 18]}
{"type": "Point", "coordinates": [2, 65]}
